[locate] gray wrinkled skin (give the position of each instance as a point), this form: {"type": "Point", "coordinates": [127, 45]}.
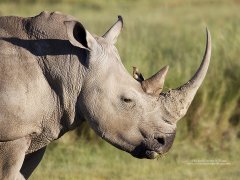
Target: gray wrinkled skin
{"type": "Point", "coordinates": [54, 73]}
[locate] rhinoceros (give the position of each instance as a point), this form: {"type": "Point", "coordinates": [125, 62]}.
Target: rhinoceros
{"type": "Point", "coordinates": [54, 74]}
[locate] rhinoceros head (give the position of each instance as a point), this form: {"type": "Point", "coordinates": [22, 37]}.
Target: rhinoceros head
{"type": "Point", "coordinates": [129, 112]}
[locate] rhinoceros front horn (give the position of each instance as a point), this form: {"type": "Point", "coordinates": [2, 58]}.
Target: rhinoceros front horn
{"type": "Point", "coordinates": [174, 103]}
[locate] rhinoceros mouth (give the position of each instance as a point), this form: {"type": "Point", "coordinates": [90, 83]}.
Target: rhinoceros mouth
{"type": "Point", "coordinates": [151, 148]}
{"type": "Point", "coordinates": [148, 154]}
{"type": "Point", "coordinates": [152, 154]}
{"type": "Point", "coordinates": [142, 151]}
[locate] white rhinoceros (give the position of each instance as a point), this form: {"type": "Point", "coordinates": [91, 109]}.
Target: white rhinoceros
{"type": "Point", "coordinates": [54, 74]}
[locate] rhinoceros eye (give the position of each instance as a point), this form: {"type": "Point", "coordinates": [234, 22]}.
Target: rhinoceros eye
{"type": "Point", "coordinates": [126, 100]}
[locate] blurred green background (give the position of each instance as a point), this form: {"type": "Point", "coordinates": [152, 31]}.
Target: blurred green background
{"type": "Point", "coordinates": [157, 33]}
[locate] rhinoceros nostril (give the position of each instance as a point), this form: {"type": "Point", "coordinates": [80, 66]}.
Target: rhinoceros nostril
{"type": "Point", "coordinates": [161, 140]}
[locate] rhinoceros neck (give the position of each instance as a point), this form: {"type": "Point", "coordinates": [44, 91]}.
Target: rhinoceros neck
{"type": "Point", "coordinates": [64, 75]}
{"type": "Point", "coordinates": [59, 61]}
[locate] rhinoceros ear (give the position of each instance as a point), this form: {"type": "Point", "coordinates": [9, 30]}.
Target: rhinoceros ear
{"type": "Point", "coordinates": [112, 34]}
{"type": "Point", "coordinates": [79, 36]}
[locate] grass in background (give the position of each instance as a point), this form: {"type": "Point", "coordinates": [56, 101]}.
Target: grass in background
{"type": "Point", "coordinates": [82, 160]}
{"type": "Point", "coordinates": [157, 33]}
